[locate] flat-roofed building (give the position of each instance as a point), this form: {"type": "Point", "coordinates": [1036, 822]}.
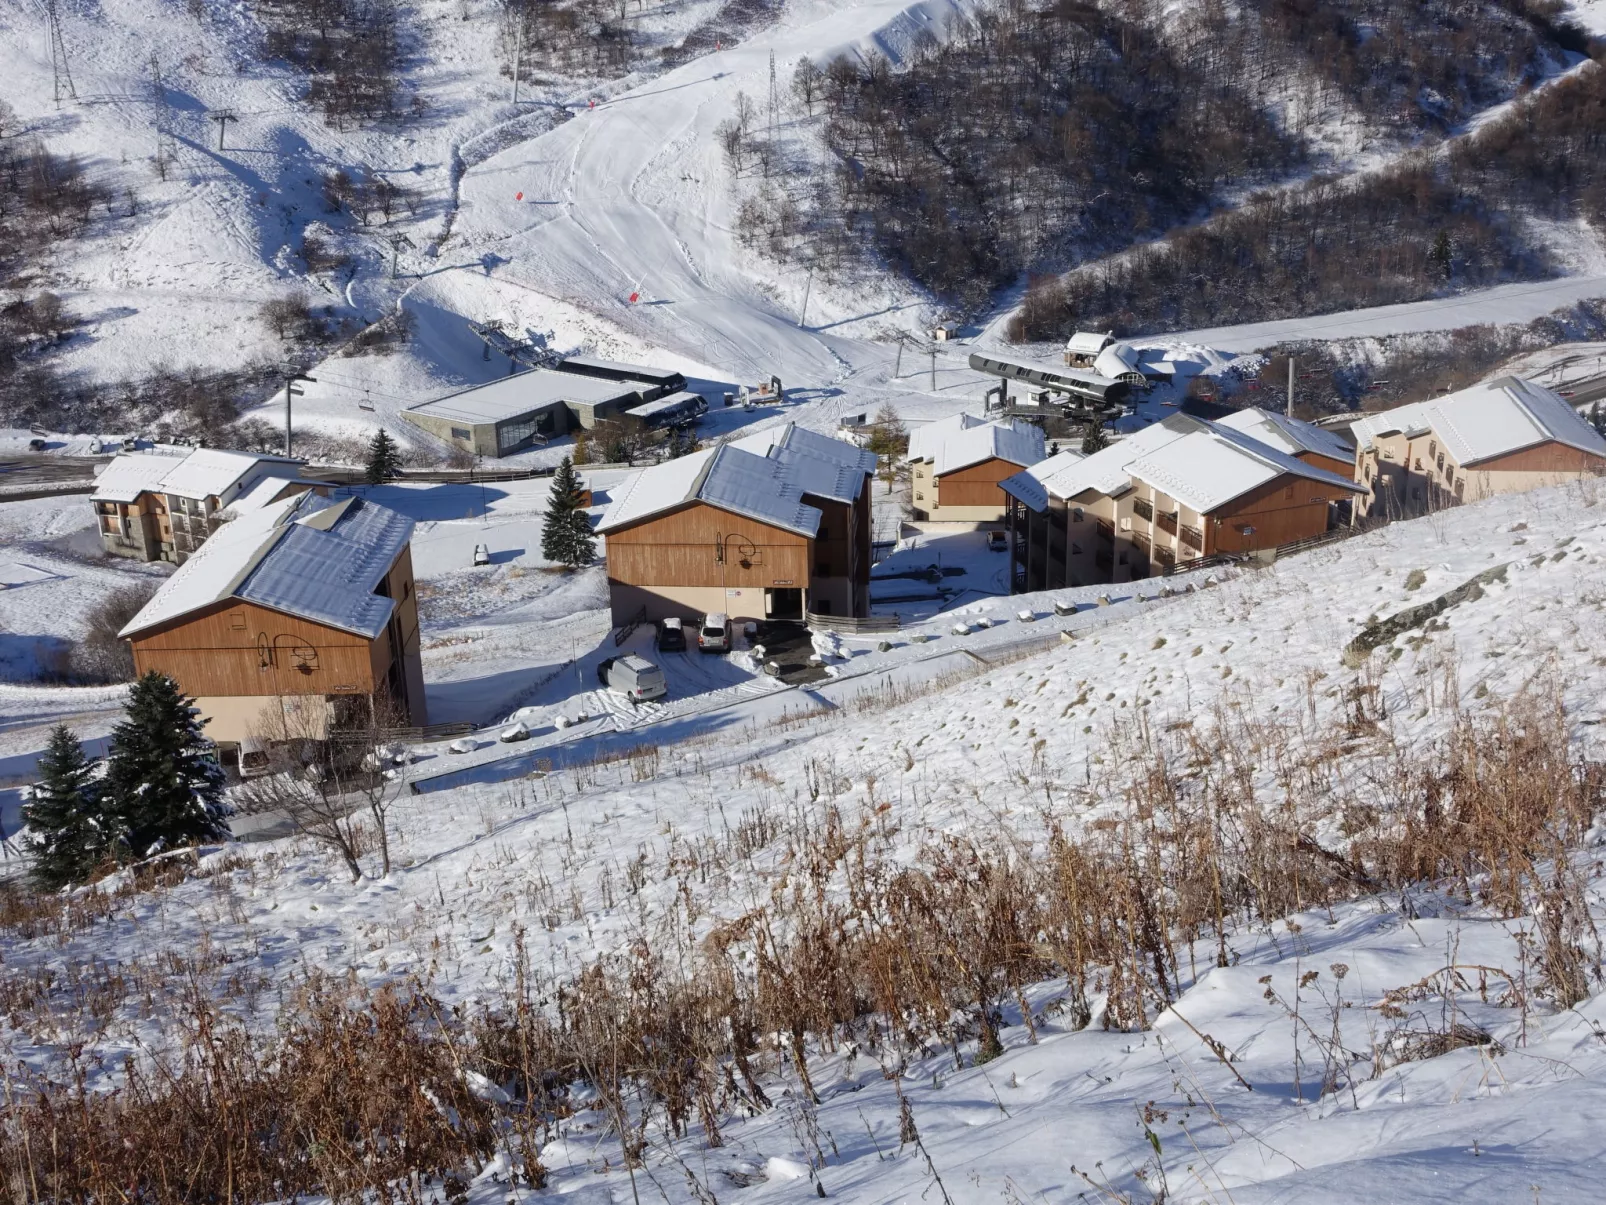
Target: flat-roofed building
{"type": "Point", "coordinates": [1500, 437]}
{"type": "Point", "coordinates": [661, 382]}
{"type": "Point", "coordinates": [525, 410]}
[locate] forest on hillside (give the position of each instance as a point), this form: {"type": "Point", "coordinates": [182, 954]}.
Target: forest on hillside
{"type": "Point", "coordinates": [1047, 134]}
{"type": "Point", "coordinates": [1438, 221]}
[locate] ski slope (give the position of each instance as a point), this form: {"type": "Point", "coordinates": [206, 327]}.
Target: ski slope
{"type": "Point", "coordinates": [634, 195]}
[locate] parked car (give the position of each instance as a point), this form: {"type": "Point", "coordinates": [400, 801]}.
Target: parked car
{"type": "Point", "coordinates": [671, 636]}
{"type": "Point", "coordinates": [37, 445]}
{"type": "Point", "coordinates": [634, 677]}
{"type": "Point", "coordinates": [997, 541]}
{"type": "Point", "coordinates": [714, 633]}
{"type": "Point", "coordinates": [482, 555]}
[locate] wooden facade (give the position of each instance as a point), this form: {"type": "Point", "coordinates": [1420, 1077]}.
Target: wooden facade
{"type": "Point", "coordinates": [698, 558]}
{"type": "Point", "coordinates": [976, 485]}
{"type": "Point", "coordinates": [236, 650]}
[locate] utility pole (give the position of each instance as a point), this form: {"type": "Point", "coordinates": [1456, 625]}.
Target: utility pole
{"type": "Point", "coordinates": [397, 242]}
{"type": "Point", "coordinates": [803, 318]}
{"type": "Point", "coordinates": [291, 376]}
{"type": "Point", "coordinates": [518, 52]}
{"type": "Point", "coordinates": [934, 368]}
{"type": "Point", "coordinates": [1290, 386]}
{"type": "Point", "coordinates": [62, 77]}
{"type": "Point", "coordinates": [897, 368]}
{"type": "Point", "coordinates": [222, 117]}
{"type": "Point", "coordinates": [774, 96]}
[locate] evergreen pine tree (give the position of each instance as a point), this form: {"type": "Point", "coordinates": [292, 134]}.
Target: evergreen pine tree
{"type": "Point", "coordinates": [1095, 440]}
{"type": "Point", "coordinates": [162, 782]}
{"type": "Point", "coordinates": [384, 458]}
{"type": "Point", "coordinates": [69, 831]}
{"type": "Point", "coordinates": [566, 537]}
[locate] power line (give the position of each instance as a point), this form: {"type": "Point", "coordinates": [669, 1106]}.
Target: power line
{"type": "Point", "coordinates": [222, 117]}
{"type": "Point", "coordinates": [61, 76]}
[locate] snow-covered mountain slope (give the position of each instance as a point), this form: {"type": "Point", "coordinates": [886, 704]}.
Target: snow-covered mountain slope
{"type": "Point", "coordinates": [596, 860]}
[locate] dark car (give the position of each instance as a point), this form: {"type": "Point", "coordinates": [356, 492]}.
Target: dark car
{"type": "Point", "coordinates": [671, 636]}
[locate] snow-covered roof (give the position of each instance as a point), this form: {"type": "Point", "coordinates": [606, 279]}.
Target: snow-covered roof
{"type": "Point", "coordinates": [1203, 465]}
{"type": "Point", "coordinates": [727, 477]}
{"type": "Point", "coordinates": [1207, 469]}
{"type": "Point", "coordinates": [675, 401]}
{"type": "Point", "coordinates": [1288, 434]}
{"type": "Point", "coordinates": [207, 472]}
{"type": "Point", "coordinates": [1089, 343]}
{"type": "Point", "coordinates": [1104, 472]}
{"type": "Point", "coordinates": [1115, 360]}
{"type": "Point", "coordinates": [1492, 419]}
{"type": "Point", "coordinates": [316, 558]}
{"type": "Point", "coordinates": [963, 440]}
{"type": "Point", "coordinates": [262, 493]}
{"type": "Point", "coordinates": [583, 365]}
{"type": "Point", "coordinates": [523, 392]}
{"type": "Point", "coordinates": [128, 476]}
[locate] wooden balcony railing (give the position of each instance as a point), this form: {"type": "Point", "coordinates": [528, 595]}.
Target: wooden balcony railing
{"type": "Point", "coordinates": [1164, 555]}
{"type": "Point", "coordinates": [1106, 531]}
{"type": "Point", "coordinates": [1143, 509]}
{"type": "Point", "coordinates": [1167, 522]}
{"type": "Point", "coordinates": [1192, 537]}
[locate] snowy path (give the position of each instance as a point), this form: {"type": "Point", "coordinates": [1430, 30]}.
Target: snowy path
{"type": "Point", "coordinates": [1505, 304]}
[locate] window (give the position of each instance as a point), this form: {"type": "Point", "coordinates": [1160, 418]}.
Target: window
{"type": "Point", "coordinates": [1076, 514]}
{"type": "Point", "coordinates": [1288, 493]}
{"type": "Point", "coordinates": [1433, 450]}
{"type": "Point", "coordinates": [407, 589]}
{"type": "Point", "coordinates": [919, 497]}
{"type": "Point", "coordinates": [1458, 486]}
{"type": "Point", "coordinates": [1419, 464]}
{"type": "Point", "coordinates": [1076, 549]}
{"type": "Point", "coordinates": [237, 620]}
{"type": "Point", "coordinates": [462, 433]}
{"type": "Point", "coordinates": [1441, 460]}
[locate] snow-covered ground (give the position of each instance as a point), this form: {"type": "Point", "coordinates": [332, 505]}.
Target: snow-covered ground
{"type": "Point", "coordinates": [986, 746]}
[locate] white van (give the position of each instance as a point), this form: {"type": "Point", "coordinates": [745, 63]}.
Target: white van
{"type": "Point", "coordinates": [714, 633]}
{"type": "Point", "coordinates": [634, 677]}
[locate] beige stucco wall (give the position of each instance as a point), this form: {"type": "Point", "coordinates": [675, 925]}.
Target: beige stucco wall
{"type": "Point", "coordinates": [232, 719]}
{"type": "Point", "coordinates": [692, 602]}
{"type": "Point", "coordinates": [1414, 464]}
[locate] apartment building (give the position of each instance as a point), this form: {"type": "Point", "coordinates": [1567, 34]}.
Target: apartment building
{"type": "Point", "coordinates": [1179, 490]}
{"type": "Point", "coordinates": [772, 526]}
{"type": "Point", "coordinates": [286, 616]}
{"type": "Point", "coordinates": [956, 463]}
{"type": "Point", "coordinates": [162, 505]}
{"type": "Point", "coordinates": [1503, 436]}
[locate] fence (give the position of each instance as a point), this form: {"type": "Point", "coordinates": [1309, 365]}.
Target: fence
{"type": "Point", "coordinates": [849, 623]}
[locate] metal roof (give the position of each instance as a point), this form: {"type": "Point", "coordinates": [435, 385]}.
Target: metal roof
{"type": "Point", "coordinates": [316, 558]}
{"type": "Point", "coordinates": [522, 393]}
{"type": "Point", "coordinates": [128, 476]}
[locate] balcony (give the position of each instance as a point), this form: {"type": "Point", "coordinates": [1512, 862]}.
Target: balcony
{"type": "Point", "coordinates": [1164, 555]}
{"type": "Point", "coordinates": [1167, 523]}
{"type": "Point", "coordinates": [1106, 531]}
{"type": "Point", "coordinates": [1143, 544]}
{"type": "Point", "coordinates": [1192, 537]}
{"type": "Point", "coordinates": [1143, 509]}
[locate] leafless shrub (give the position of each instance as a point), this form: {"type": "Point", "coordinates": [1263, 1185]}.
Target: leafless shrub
{"type": "Point", "coordinates": [102, 655]}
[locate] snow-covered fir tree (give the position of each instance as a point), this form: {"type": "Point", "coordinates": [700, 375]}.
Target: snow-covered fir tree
{"type": "Point", "coordinates": [567, 538]}
{"type": "Point", "coordinates": [69, 830]}
{"type": "Point", "coordinates": [162, 781]}
{"type": "Point", "coordinates": [384, 459]}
